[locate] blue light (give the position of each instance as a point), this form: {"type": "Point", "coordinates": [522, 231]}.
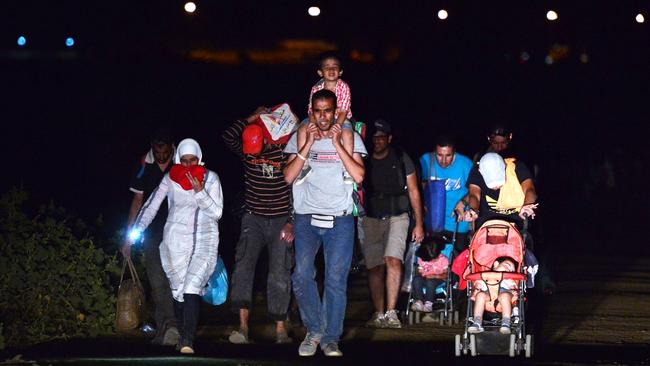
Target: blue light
{"type": "Point", "coordinates": [134, 235]}
{"type": "Point", "coordinates": [21, 41]}
{"type": "Point", "coordinates": [69, 41]}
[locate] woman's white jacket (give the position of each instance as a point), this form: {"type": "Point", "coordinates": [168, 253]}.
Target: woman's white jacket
{"type": "Point", "coordinates": [190, 243]}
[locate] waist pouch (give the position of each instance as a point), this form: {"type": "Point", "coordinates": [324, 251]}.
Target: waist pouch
{"type": "Point", "coordinates": [322, 221]}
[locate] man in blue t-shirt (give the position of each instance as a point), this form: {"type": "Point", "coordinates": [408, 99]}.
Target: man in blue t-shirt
{"type": "Point", "coordinates": [453, 168]}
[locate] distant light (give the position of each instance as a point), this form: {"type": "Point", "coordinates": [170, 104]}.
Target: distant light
{"type": "Point", "coordinates": [524, 56]}
{"type": "Point", "coordinates": [69, 41]}
{"type": "Point", "coordinates": [584, 58]}
{"type": "Point", "coordinates": [551, 15]}
{"type": "Point", "coordinates": [190, 7]}
{"type": "Point", "coordinates": [314, 11]}
{"type": "Point", "coordinates": [442, 14]}
{"type": "Point", "coordinates": [640, 18]}
{"type": "Point", "coordinates": [549, 60]}
{"type": "Point", "coordinates": [21, 41]}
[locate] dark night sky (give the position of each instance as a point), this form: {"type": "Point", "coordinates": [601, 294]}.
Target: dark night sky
{"type": "Point", "coordinates": [75, 121]}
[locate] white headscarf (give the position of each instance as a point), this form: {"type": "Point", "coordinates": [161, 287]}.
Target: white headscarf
{"type": "Point", "coordinates": [188, 147]}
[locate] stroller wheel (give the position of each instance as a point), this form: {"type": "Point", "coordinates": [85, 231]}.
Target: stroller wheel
{"type": "Point", "coordinates": [472, 345]}
{"type": "Point", "coordinates": [528, 346]}
{"type": "Point", "coordinates": [513, 345]}
{"type": "Point", "coordinates": [457, 345]}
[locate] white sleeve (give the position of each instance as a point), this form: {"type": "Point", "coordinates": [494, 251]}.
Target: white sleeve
{"type": "Point", "coordinates": [359, 147]}
{"type": "Point", "coordinates": [150, 208]}
{"type": "Point", "coordinates": [210, 200]}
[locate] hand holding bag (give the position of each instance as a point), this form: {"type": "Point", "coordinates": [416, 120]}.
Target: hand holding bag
{"type": "Point", "coordinates": [130, 299]}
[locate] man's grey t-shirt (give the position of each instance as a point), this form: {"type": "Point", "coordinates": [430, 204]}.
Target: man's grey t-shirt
{"type": "Point", "coordinates": [324, 191]}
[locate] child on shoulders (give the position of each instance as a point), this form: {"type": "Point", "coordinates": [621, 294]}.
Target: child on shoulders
{"type": "Point", "coordinates": [330, 71]}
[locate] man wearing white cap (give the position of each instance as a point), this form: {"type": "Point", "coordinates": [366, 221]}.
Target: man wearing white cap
{"type": "Point", "coordinates": [188, 251]}
{"type": "Point", "coordinates": [498, 188]}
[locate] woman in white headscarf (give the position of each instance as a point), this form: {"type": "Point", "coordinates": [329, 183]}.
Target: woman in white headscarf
{"type": "Point", "coordinates": [188, 251]}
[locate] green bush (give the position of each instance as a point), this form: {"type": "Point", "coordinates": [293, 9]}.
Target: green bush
{"type": "Point", "coordinates": [54, 281]}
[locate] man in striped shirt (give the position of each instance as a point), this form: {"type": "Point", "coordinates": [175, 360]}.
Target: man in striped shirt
{"type": "Point", "coordinates": [266, 223]}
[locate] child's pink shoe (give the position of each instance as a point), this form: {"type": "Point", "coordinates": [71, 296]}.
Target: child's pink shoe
{"type": "Point", "coordinates": [428, 307]}
{"type": "Point", "coordinates": [417, 305]}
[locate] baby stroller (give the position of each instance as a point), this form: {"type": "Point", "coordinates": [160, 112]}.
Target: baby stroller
{"type": "Point", "coordinates": [495, 239]}
{"type": "Point", "coordinates": [443, 307]}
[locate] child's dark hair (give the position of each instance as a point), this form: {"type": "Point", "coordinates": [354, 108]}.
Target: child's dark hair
{"type": "Point", "coordinates": [430, 248]}
{"type": "Point", "coordinates": [327, 55]}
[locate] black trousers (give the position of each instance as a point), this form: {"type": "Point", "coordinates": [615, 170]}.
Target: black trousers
{"type": "Point", "coordinates": [161, 293]}
{"type": "Point", "coordinates": [187, 313]}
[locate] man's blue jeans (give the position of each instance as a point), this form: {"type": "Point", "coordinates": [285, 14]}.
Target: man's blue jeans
{"type": "Point", "coordinates": [325, 317]}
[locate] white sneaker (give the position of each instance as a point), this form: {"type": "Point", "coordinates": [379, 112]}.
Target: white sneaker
{"type": "Point", "coordinates": [377, 321]}
{"type": "Point", "coordinates": [332, 350]}
{"type": "Point", "coordinates": [309, 346]}
{"type": "Point", "coordinates": [475, 328]}
{"type": "Point", "coordinates": [392, 320]}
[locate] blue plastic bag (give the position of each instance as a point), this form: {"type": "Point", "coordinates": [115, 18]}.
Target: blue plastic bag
{"type": "Point", "coordinates": [434, 200]}
{"type": "Point", "coordinates": [217, 290]}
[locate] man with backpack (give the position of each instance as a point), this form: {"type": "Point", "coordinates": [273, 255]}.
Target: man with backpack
{"type": "Point", "coordinates": [392, 190]}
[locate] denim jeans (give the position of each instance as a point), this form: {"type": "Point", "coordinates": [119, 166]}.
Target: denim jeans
{"type": "Point", "coordinates": [324, 317]}
{"type": "Point", "coordinates": [258, 232]}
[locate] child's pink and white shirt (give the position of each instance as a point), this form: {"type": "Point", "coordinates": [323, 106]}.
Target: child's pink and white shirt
{"type": "Point", "coordinates": [343, 96]}
{"type": "Point", "coordinates": [434, 267]}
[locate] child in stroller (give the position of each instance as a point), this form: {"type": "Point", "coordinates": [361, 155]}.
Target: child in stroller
{"type": "Point", "coordinates": [433, 265]}
{"type": "Point", "coordinates": [494, 271]}
{"type": "Point", "coordinates": [508, 294]}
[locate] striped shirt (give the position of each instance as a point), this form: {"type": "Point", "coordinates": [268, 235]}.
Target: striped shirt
{"type": "Point", "coordinates": [343, 95]}
{"type": "Point", "coordinates": [266, 193]}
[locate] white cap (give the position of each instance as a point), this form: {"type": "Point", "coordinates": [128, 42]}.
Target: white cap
{"type": "Point", "coordinates": [493, 169]}
{"type": "Point", "coordinates": [188, 147]}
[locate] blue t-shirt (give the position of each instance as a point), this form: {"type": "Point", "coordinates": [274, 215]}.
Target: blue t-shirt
{"type": "Point", "coordinates": [455, 176]}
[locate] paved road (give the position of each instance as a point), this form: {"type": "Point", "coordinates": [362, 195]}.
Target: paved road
{"type": "Point", "coordinates": [599, 314]}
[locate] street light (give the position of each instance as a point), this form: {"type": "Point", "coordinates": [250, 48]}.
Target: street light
{"type": "Point", "coordinates": [190, 7]}
{"type": "Point", "coordinates": [314, 11]}
{"type": "Point", "coordinates": [442, 14]}
{"type": "Point", "coordinates": [69, 42]}
{"type": "Point", "coordinates": [640, 18]}
{"type": "Point", "coordinates": [21, 41]}
{"type": "Point", "coordinates": [551, 15]}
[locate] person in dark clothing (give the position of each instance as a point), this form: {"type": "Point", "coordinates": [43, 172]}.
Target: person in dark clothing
{"type": "Point", "coordinates": [267, 222]}
{"type": "Point", "coordinates": [151, 170]}
{"type": "Point", "coordinates": [392, 187]}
